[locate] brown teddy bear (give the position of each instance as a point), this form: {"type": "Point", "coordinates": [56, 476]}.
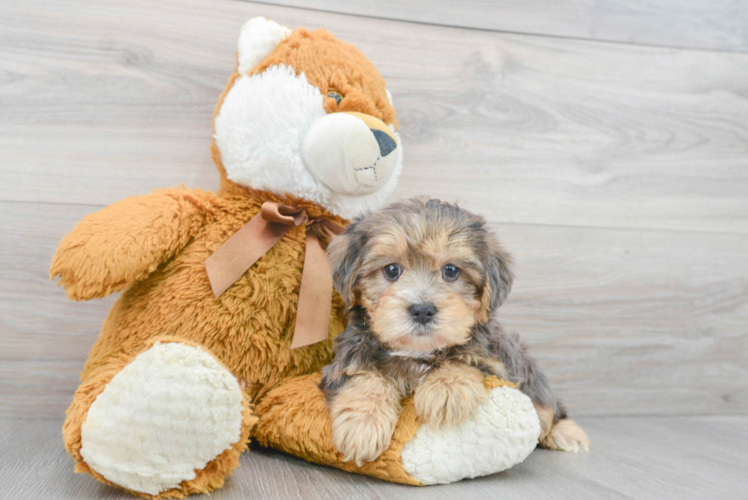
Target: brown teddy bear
{"type": "Point", "coordinates": [204, 349]}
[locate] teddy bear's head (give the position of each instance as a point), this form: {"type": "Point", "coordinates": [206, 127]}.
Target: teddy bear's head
{"type": "Point", "coordinates": [307, 115]}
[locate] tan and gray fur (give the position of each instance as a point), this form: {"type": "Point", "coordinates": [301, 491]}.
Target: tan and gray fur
{"type": "Point", "coordinates": [425, 332]}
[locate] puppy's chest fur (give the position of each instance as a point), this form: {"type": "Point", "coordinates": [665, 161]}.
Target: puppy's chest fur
{"type": "Point", "coordinates": [408, 368]}
{"type": "Point", "coordinates": [358, 351]}
{"type": "Point", "coordinates": [361, 351]}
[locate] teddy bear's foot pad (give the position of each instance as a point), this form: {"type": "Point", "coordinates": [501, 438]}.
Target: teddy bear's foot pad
{"type": "Point", "coordinates": [502, 432]}
{"type": "Point", "coordinates": [168, 413]}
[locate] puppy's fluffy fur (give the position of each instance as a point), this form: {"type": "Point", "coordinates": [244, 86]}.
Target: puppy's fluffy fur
{"type": "Point", "coordinates": [423, 280]}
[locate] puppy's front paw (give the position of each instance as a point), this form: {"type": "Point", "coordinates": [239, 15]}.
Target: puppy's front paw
{"type": "Point", "coordinates": [364, 414]}
{"type": "Point", "coordinates": [449, 394]}
{"type": "Point", "coordinates": [361, 436]}
{"type": "Point", "coordinates": [566, 435]}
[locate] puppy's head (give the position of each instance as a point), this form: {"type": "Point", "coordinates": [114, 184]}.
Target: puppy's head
{"type": "Point", "coordinates": [425, 271]}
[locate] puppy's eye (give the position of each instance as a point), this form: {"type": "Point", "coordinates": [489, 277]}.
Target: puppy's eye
{"type": "Point", "coordinates": [450, 272]}
{"type": "Point", "coordinates": [335, 95]}
{"type": "Point", "coordinates": [392, 271]}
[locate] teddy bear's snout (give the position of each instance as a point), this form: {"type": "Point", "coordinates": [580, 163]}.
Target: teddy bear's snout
{"type": "Point", "coordinates": [352, 153]}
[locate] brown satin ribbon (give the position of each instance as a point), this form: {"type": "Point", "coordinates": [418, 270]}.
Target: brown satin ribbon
{"type": "Point", "coordinates": [243, 249]}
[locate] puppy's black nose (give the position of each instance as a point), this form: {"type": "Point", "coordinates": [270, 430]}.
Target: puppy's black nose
{"type": "Point", "coordinates": [386, 144]}
{"type": "Point", "coordinates": [422, 313]}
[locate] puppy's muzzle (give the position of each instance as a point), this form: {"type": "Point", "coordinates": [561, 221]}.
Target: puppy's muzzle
{"type": "Point", "coordinates": [422, 313]}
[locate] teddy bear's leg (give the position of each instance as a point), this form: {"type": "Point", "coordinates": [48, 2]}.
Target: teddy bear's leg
{"type": "Point", "coordinates": [167, 422]}
{"type": "Point", "coordinates": [501, 433]}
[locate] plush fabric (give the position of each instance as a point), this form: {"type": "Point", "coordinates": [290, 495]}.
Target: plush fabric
{"type": "Point", "coordinates": [258, 38]}
{"type": "Point", "coordinates": [172, 361]}
{"type": "Point", "coordinates": [209, 478]}
{"type": "Point", "coordinates": [330, 64]}
{"type": "Point", "coordinates": [501, 433]}
{"type": "Point", "coordinates": [294, 418]}
{"type": "Point", "coordinates": [249, 328]}
{"type": "Point", "coordinates": [172, 410]}
{"type": "Point", "coordinates": [264, 113]}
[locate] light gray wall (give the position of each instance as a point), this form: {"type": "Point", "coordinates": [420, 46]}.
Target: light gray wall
{"type": "Point", "coordinates": [616, 173]}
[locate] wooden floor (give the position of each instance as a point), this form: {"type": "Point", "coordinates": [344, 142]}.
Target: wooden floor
{"type": "Point", "coordinates": [606, 142]}
{"type": "Point", "coordinates": [641, 458]}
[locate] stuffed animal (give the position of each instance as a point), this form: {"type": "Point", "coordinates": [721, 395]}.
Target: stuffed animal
{"type": "Point", "coordinates": [204, 347]}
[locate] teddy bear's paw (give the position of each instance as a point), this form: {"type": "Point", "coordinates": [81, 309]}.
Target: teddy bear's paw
{"type": "Point", "coordinates": [499, 434]}
{"type": "Point", "coordinates": [168, 413]}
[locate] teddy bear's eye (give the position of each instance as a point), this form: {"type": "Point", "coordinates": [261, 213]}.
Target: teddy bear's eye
{"type": "Point", "coordinates": [335, 95]}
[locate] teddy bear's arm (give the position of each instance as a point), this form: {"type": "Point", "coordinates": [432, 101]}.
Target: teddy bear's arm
{"type": "Point", "coordinates": [128, 240]}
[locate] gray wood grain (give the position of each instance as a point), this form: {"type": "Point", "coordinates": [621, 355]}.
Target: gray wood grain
{"type": "Point", "coordinates": [45, 337]}
{"type": "Point", "coordinates": [38, 388]}
{"type": "Point", "coordinates": [625, 322]}
{"type": "Point", "coordinates": [105, 101]}
{"type": "Point", "coordinates": [714, 24]}
{"type": "Point", "coordinates": [37, 321]}
{"type": "Point", "coordinates": [615, 174]}
{"type": "Point", "coordinates": [642, 458]}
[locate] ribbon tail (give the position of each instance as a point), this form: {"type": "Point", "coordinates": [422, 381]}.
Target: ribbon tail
{"type": "Point", "coordinates": [315, 296]}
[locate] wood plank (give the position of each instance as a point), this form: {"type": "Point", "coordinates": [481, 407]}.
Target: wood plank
{"type": "Point", "coordinates": [717, 24]}
{"type": "Point", "coordinates": [37, 321]}
{"type": "Point", "coordinates": [678, 457]}
{"type": "Point", "coordinates": [115, 99]}
{"type": "Point", "coordinates": [633, 322]}
{"type": "Point", "coordinates": [625, 322]}
{"type": "Point", "coordinates": [38, 388]}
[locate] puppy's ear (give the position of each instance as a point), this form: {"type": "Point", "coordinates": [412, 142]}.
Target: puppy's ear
{"type": "Point", "coordinates": [345, 253]}
{"type": "Point", "coordinates": [499, 277]}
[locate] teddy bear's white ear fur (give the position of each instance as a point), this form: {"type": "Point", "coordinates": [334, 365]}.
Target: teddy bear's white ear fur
{"type": "Point", "coordinates": [258, 38]}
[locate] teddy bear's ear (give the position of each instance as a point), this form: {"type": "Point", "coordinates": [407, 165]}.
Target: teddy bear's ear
{"type": "Point", "coordinates": [258, 38]}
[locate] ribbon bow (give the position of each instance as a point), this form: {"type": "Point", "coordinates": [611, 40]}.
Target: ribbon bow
{"type": "Point", "coordinates": [243, 249]}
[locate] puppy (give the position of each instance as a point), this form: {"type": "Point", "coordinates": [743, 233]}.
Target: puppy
{"type": "Point", "coordinates": [423, 280]}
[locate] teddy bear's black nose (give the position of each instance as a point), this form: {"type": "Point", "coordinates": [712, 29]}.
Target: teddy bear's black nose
{"type": "Point", "coordinates": [386, 144]}
{"type": "Point", "coordinates": [422, 313]}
